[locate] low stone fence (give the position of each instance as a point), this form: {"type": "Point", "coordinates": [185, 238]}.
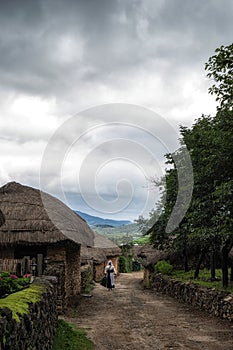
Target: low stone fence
{"type": "Point", "coordinates": [214, 302]}
{"type": "Point", "coordinates": [34, 330]}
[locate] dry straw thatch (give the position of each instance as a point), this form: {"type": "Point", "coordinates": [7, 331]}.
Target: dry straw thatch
{"type": "Point", "coordinates": [103, 248]}
{"type": "Point", "coordinates": [149, 255]}
{"type": "Point", "coordinates": [35, 217]}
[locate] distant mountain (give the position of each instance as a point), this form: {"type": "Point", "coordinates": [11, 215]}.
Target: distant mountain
{"type": "Point", "coordinates": [97, 221]}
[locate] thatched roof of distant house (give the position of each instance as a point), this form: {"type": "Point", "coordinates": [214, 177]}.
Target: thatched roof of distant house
{"type": "Point", "coordinates": [95, 254]}
{"type": "Point", "coordinates": [149, 255]}
{"type": "Point", "coordinates": [35, 217]}
{"type": "Point", "coordinates": [109, 247]}
{"type": "Point", "coordinates": [103, 248]}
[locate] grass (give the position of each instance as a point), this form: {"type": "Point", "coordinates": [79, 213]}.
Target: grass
{"type": "Point", "coordinates": [142, 240]}
{"type": "Point", "coordinates": [18, 302]}
{"type": "Point", "coordinates": [68, 337]}
{"type": "Point", "coordinates": [203, 279]}
{"type": "Point", "coordinates": [89, 288]}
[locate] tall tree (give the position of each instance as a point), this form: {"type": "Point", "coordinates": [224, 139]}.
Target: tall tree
{"type": "Point", "coordinates": [220, 69]}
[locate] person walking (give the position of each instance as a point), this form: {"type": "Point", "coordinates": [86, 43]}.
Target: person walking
{"type": "Point", "coordinates": [110, 273]}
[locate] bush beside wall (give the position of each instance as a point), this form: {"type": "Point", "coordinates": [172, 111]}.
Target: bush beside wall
{"type": "Point", "coordinates": [214, 302]}
{"type": "Point", "coordinates": [125, 264]}
{"type": "Point", "coordinates": [86, 279]}
{"type": "Point", "coordinates": [35, 329]}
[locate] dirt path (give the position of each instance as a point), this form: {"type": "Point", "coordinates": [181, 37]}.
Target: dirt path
{"type": "Point", "coordinates": [130, 318]}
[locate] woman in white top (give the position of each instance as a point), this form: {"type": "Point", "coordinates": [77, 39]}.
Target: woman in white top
{"type": "Point", "coordinates": [110, 272]}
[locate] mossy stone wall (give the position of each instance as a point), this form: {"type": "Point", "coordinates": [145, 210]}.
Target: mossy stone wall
{"type": "Point", "coordinates": [214, 302]}
{"type": "Point", "coordinates": [33, 329]}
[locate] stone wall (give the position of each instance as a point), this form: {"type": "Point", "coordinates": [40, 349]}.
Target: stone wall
{"type": "Point", "coordinates": [98, 271]}
{"type": "Point", "coordinates": [37, 328]}
{"type": "Point", "coordinates": [72, 271]}
{"type": "Point", "coordinates": [214, 302]}
{"type": "Point", "coordinates": [86, 277]}
{"type": "Point", "coordinates": [146, 278]}
{"type": "Point", "coordinates": [58, 269]}
{"type": "Point", "coordinates": [64, 263]}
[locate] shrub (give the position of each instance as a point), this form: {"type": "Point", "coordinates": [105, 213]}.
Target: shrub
{"type": "Point", "coordinates": [163, 267]}
{"type": "Point", "coordinates": [86, 280]}
{"type": "Point", "coordinates": [68, 337]}
{"type": "Point", "coordinates": [10, 283]}
{"type": "Point", "coordinates": [125, 264]}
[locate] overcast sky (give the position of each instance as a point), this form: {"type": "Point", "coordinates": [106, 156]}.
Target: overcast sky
{"type": "Point", "coordinates": [61, 58]}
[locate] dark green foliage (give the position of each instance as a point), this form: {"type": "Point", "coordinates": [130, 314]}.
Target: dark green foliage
{"type": "Point", "coordinates": [142, 240]}
{"type": "Point", "coordinates": [220, 69]}
{"type": "Point", "coordinates": [208, 223]}
{"type": "Point", "coordinates": [125, 264]}
{"type": "Point", "coordinates": [207, 226]}
{"type": "Point", "coordinates": [163, 267]}
{"type": "Point", "coordinates": [10, 283]}
{"type": "Point", "coordinates": [203, 279]}
{"type": "Point", "coordinates": [68, 337]}
{"type": "Point", "coordinates": [87, 284]}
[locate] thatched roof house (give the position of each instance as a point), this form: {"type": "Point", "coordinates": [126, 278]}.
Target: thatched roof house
{"type": "Point", "coordinates": [98, 255]}
{"type": "Point", "coordinates": [41, 229]}
{"type": "Point", "coordinates": [149, 255]}
{"type": "Point", "coordinates": [35, 217]}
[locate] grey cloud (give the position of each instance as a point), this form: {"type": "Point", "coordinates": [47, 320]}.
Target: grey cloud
{"type": "Point", "coordinates": [97, 52]}
{"type": "Point", "coordinates": [118, 38]}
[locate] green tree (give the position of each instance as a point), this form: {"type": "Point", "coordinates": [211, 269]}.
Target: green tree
{"type": "Point", "coordinates": [220, 69]}
{"type": "Point", "coordinates": [175, 238]}
{"type": "Point", "coordinates": [207, 226]}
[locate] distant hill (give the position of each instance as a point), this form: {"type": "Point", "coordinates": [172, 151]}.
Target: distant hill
{"type": "Point", "coordinates": [123, 229]}
{"type": "Point", "coordinates": [100, 222]}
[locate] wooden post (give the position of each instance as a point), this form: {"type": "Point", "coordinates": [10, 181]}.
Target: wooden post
{"type": "Point", "coordinates": [26, 265]}
{"type": "Point", "coordinates": [39, 265]}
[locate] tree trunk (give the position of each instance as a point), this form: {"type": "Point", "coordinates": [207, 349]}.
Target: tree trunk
{"type": "Point", "coordinates": [224, 269]}
{"type": "Point", "coordinates": [186, 266]}
{"type": "Point", "coordinates": [212, 265]}
{"type": "Point", "coordinates": [225, 251]}
{"type": "Point", "coordinates": [231, 278]}
{"type": "Point", "coordinates": [196, 273]}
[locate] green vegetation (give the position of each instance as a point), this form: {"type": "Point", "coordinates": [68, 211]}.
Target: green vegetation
{"type": "Point", "coordinates": [163, 267]}
{"type": "Point", "coordinates": [10, 283]}
{"type": "Point", "coordinates": [125, 264]}
{"type": "Point", "coordinates": [89, 287]}
{"type": "Point", "coordinates": [220, 69]}
{"type": "Point", "coordinates": [68, 337]}
{"type": "Point", "coordinates": [205, 232]}
{"type": "Point", "coordinates": [18, 302]}
{"type": "Point", "coordinates": [87, 281]}
{"type": "Point", "coordinates": [142, 240]}
{"type": "Point", "coordinates": [120, 235]}
{"type": "Point", "coordinates": [203, 279]}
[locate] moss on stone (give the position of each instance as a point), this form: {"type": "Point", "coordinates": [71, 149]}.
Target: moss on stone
{"type": "Point", "coordinates": [19, 302]}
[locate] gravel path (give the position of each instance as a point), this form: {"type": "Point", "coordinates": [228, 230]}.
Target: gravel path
{"type": "Point", "coordinates": [130, 318]}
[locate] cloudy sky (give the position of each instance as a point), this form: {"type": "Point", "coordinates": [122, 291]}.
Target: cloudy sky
{"type": "Point", "coordinates": [92, 93]}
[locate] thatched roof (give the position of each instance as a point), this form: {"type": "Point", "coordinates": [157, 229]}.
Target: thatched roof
{"type": "Point", "coordinates": [149, 255]}
{"type": "Point", "coordinates": [95, 254]}
{"type": "Point", "coordinates": [35, 217]}
{"type": "Point", "coordinates": [109, 247]}
{"type": "Point", "coordinates": [103, 249]}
